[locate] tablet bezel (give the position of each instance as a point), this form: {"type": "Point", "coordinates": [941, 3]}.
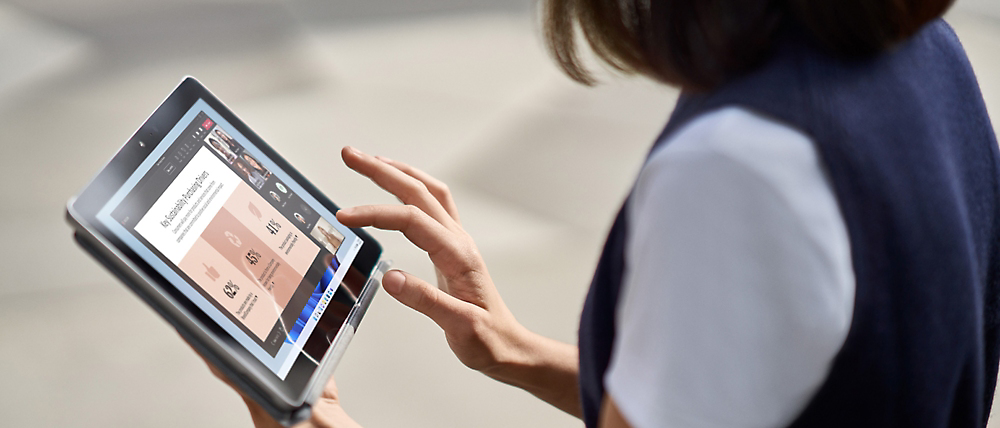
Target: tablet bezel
{"type": "Point", "coordinates": [296, 388]}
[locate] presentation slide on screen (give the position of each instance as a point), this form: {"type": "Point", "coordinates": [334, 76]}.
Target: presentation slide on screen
{"type": "Point", "coordinates": [230, 241]}
{"type": "Point", "coordinates": [238, 237]}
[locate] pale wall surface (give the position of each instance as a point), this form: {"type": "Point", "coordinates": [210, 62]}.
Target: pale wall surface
{"type": "Point", "coordinates": [462, 89]}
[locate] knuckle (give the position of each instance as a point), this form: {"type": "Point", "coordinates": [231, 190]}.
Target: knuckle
{"type": "Point", "coordinates": [469, 256]}
{"type": "Point", "coordinates": [415, 188]}
{"type": "Point", "coordinates": [403, 219]}
{"type": "Point", "coordinates": [467, 260]}
{"type": "Point", "coordinates": [412, 212]}
{"type": "Point", "coordinates": [478, 325]}
{"type": "Point", "coordinates": [469, 327]}
{"type": "Point", "coordinates": [440, 189]}
{"type": "Point", "coordinates": [424, 301]}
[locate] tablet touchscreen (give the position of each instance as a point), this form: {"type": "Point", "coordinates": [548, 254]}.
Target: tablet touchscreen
{"type": "Point", "coordinates": [235, 234]}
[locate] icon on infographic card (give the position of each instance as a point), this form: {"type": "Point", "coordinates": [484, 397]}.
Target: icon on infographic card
{"type": "Point", "coordinates": [211, 272]}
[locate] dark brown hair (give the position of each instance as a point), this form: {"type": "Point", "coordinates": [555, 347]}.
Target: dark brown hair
{"type": "Point", "coordinates": [700, 44]}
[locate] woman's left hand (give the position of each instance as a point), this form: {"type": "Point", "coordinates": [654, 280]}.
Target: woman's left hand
{"type": "Point", "coordinates": [326, 411]}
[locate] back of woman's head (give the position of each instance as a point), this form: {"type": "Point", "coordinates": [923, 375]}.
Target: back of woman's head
{"type": "Point", "coordinates": [700, 44]}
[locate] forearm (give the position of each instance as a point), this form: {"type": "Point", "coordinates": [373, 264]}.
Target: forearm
{"type": "Point", "coordinates": [547, 368]}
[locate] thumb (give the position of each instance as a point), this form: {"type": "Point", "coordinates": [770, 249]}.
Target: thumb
{"type": "Point", "coordinates": [442, 308]}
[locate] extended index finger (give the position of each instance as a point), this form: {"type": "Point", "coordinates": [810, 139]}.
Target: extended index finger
{"type": "Point", "coordinates": [439, 242]}
{"type": "Point", "coordinates": [408, 189]}
{"type": "Point", "coordinates": [435, 186]}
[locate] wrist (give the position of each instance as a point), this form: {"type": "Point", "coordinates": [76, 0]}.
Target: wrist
{"type": "Point", "coordinates": [518, 350]}
{"type": "Point", "coordinates": [547, 368]}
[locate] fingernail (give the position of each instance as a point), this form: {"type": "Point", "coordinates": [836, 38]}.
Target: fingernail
{"type": "Point", "coordinates": [347, 211]}
{"type": "Point", "coordinates": [393, 281]}
{"type": "Point", "coordinates": [353, 150]}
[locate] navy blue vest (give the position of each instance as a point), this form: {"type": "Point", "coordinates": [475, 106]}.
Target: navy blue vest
{"type": "Point", "coordinates": [913, 162]}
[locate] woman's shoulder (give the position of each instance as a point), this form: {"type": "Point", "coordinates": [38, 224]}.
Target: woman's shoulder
{"type": "Point", "coordinates": [737, 149]}
{"type": "Point", "coordinates": [738, 136]}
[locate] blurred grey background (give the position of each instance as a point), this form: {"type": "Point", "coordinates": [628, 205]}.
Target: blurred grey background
{"type": "Point", "coordinates": [460, 88]}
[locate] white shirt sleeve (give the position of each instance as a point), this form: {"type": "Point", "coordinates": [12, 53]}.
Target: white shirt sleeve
{"type": "Point", "coordinates": [738, 288]}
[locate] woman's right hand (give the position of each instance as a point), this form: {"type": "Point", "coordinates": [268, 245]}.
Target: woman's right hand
{"type": "Point", "coordinates": [480, 329]}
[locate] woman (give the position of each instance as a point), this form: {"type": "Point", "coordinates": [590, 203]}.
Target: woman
{"type": "Point", "coordinates": [812, 241]}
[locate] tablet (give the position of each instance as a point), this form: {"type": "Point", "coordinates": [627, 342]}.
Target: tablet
{"type": "Point", "coordinates": [233, 247]}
